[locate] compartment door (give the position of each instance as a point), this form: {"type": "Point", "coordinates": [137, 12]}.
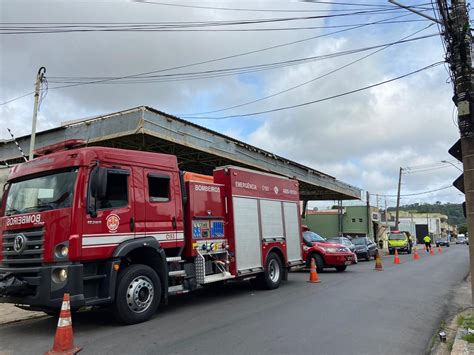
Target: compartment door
{"type": "Point", "coordinates": [292, 231]}
{"type": "Point", "coordinates": [248, 248]}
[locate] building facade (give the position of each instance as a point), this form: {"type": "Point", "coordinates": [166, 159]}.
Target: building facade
{"type": "Point", "coordinates": [351, 221]}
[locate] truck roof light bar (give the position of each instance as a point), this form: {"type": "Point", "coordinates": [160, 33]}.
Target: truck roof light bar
{"type": "Point", "coordinates": [57, 147]}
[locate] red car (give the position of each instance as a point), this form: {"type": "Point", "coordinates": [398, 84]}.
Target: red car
{"type": "Point", "coordinates": [324, 253]}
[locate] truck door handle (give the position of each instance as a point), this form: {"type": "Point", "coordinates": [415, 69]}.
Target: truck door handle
{"type": "Point", "coordinates": [132, 224]}
{"type": "Point", "coordinates": [173, 222]}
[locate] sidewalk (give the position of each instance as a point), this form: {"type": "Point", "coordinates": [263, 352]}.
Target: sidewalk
{"type": "Point", "coordinates": [455, 345]}
{"type": "Point", "coordinates": [9, 313]}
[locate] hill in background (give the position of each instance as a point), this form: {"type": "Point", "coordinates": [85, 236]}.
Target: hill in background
{"type": "Point", "coordinates": [452, 210]}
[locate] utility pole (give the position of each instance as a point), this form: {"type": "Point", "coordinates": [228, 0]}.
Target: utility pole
{"type": "Point", "coordinates": [457, 33]}
{"type": "Point", "coordinates": [39, 80]}
{"type": "Point", "coordinates": [454, 18]}
{"type": "Point", "coordinates": [397, 212]}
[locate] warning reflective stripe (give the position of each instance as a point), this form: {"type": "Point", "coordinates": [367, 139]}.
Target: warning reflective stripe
{"type": "Point", "coordinates": [105, 240]}
{"type": "Point", "coordinates": [65, 306]}
{"type": "Point", "coordinates": [64, 322]}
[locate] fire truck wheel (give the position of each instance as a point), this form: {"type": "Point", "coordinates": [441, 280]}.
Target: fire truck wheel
{"type": "Point", "coordinates": [138, 294]}
{"type": "Point", "coordinates": [272, 275]}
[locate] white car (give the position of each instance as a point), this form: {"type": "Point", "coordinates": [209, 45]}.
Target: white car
{"type": "Point", "coordinates": [461, 239]}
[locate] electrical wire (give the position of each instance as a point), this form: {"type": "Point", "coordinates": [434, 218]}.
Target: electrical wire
{"type": "Point", "coordinates": [419, 193]}
{"type": "Point", "coordinates": [15, 28]}
{"type": "Point", "coordinates": [381, 6]}
{"type": "Point", "coordinates": [224, 57]}
{"type": "Point", "coordinates": [311, 80]}
{"type": "Point", "coordinates": [227, 71]}
{"type": "Point", "coordinates": [323, 99]}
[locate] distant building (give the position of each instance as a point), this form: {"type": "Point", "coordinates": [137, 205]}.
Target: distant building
{"type": "Point", "coordinates": [351, 221]}
{"type": "Point", "coordinates": [433, 224]}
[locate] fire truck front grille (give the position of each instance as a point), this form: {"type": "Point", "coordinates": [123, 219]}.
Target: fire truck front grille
{"type": "Point", "coordinates": [26, 250]}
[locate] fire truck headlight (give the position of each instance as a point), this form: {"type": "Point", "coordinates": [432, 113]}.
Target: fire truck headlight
{"type": "Point", "coordinates": [59, 275]}
{"type": "Point", "coordinates": [61, 251]}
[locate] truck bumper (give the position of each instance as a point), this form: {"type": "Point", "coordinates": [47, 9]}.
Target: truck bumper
{"type": "Point", "coordinates": [35, 287]}
{"type": "Point", "coordinates": [338, 259]}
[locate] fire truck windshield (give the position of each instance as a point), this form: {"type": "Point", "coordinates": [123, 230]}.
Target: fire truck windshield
{"type": "Point", "coordinates": [46, 192]}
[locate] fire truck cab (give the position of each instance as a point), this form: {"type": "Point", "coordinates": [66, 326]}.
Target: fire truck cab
{"type": "Point", "coordinates": [127, 229]}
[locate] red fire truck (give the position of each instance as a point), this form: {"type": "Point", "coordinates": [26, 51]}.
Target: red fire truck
{"type": "Point", "coordinates": [126, 229]}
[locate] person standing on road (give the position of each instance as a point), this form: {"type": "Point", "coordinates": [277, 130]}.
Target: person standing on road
{"type": "Point", "coordinates": [427, 241]}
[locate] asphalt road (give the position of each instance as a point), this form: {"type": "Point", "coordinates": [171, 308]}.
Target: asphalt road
{"type": "Point", "coordinates": [360, 311]}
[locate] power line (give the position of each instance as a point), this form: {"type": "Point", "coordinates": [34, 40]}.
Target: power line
{"type": "Point", "coordinates": [323, 99]}
{"type": "Point", "coordinates": [225, 57]}
{"type": "Point", "coordinates": [15, 28]}
{"type": "Point", "coordinates": [419, 193]}
{"type": "Point", "coordinates": [311, 80]}
{"type": "Point", "coordinates": [381, 6]}
{"type": "Point", "coordinates": [215, 59]}
{"type": "Point", "coordinates": [227, 71]}
{"type": "Point", "coordinates": [153, 28]}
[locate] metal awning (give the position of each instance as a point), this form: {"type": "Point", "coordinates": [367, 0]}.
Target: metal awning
{"type": "Point", "coordinates": [198, 149]}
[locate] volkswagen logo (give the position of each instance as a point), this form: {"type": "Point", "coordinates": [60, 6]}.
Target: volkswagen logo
{"type": "Point", "coordinates": [19, 243]}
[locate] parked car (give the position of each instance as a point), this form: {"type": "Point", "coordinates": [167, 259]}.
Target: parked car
{"type": "Point", "coordinates": [443, 241]}
{"type": "Point", "coordinates": [398, 241]}
{"type": "Point", "coordinates": [325, 254]}
{"type": "Point", "coordinates": [344, 241]}
{"type": "Point", "coordinates": [461, 239]}
{"type": "Point", "coordinates": [364, 247]}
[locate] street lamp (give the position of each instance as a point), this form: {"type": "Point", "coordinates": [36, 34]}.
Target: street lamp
{"type": "Point", "coordinates": [448, 162]}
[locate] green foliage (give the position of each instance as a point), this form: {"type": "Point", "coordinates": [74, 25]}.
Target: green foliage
{"type": "Point", "coordinates": [462, 229]}
{"type": "Point", "coordinates": [452, 210]}
{"type": "Point", "coordinates": [469, 338]}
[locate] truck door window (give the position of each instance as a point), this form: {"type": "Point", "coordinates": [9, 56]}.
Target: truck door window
{"type": "Point", "coordinates": [158, 188]}
{"type": "Point", "coordinates": [117, 191]}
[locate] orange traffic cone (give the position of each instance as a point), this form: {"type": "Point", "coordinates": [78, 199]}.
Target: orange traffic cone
{"type": "Point", "coordinates": [432, 251]}
{"type": "Point", "coordinates": [313, 274]}
{"type": "Point", "coordinates": [416, 256]}
{"type": "Point", "coordinates": [64, 339]}
{"type": "Point", "coordinates": [378, 261]}
{"type": "Point", "coordinates": [396, 259]}
{"type": "Point", "coordinates": [440, 250]}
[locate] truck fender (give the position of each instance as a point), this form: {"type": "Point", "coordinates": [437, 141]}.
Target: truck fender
{"type": "Point", "coordinates": [150, 253]}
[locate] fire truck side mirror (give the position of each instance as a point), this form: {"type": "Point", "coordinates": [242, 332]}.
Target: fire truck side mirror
{"type": "Point", "coordinates": [98, 189]}
{"type": "Point", "coordinates": [99, 183]}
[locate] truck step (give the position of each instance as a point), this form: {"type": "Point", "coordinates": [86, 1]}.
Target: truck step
{"type": "Point", "coordinates": [177, 273]}
{"type": "Point", "coordinates": [178, 289]}
{"type": "Point", "coordinates": [174, 259]}
{"type": "Point", "coordinates": [218, 277]}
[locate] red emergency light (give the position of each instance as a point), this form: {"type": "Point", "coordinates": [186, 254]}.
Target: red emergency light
{"type": "Point", "coordinates": [57, 147]}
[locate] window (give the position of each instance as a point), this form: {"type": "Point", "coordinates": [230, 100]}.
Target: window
{"type": "Point", "coordinates": [117, 191]}
{"type": "Point", "coordinates": [42, 193]}
{"type": "Point", "coordinates": [353, 220]}
{"type": "Point", "coordinates": [159, 188]}
{"type": "Point", "coordinates": [360, 220]}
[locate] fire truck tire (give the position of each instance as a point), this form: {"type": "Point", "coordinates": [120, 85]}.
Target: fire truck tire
{"type": "Point", "coordinates": [273, 273]}
{"type": "Point", "coordinates": [138, 294]}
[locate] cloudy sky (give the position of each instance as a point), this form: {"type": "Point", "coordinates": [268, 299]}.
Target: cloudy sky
{"type": "Point", "coordinates": [362, 138]}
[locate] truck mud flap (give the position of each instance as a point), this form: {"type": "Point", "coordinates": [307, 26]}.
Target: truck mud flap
{"type": "Point", "coordinates": [12, 285]}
